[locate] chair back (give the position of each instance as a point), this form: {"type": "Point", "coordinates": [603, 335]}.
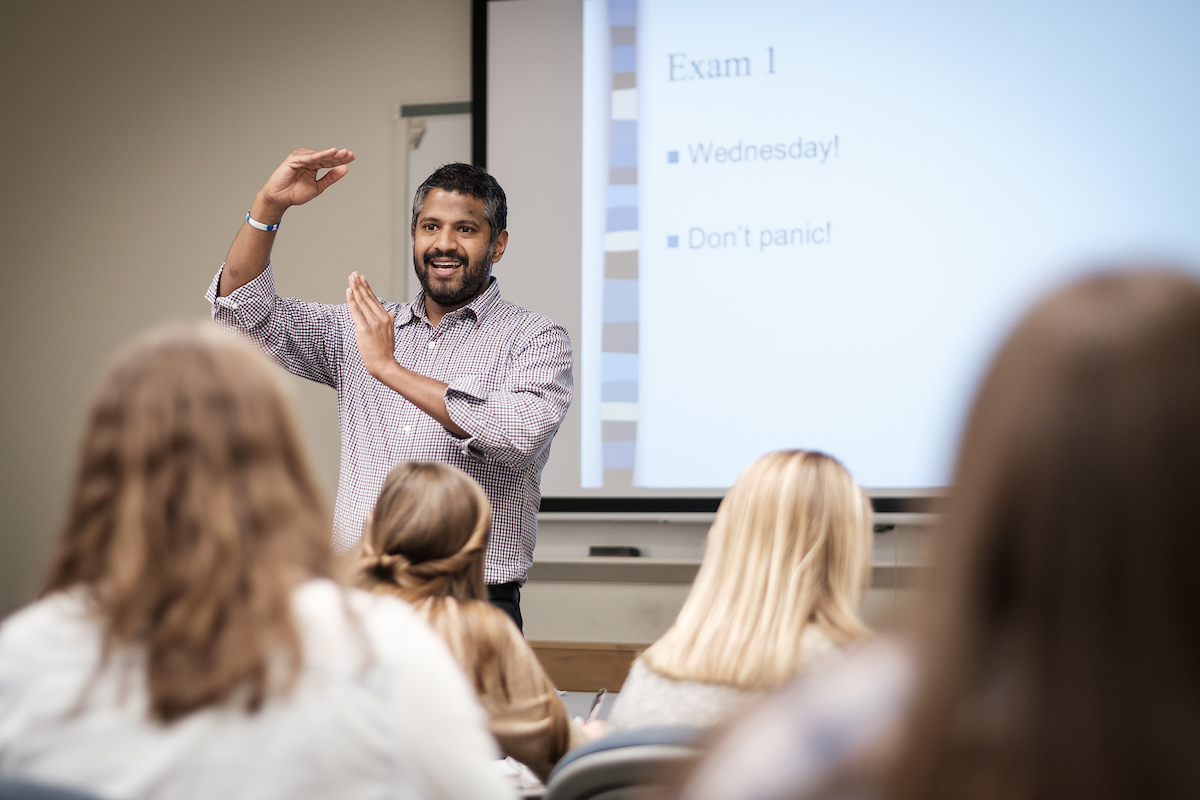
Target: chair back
{"type": "Point", "coordinates": [630, 765]}
{"type": "Point", "coordinates": [14, 789]}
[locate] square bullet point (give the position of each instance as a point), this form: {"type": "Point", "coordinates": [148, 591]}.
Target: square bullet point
{"type": "Point", "coordinates": [672, 156]}
{"type": "Point", "coordinates": [672, 241]}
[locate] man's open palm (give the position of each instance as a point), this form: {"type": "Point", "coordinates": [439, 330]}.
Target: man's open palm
{"type": "Point", "coordinates": [295, 181]}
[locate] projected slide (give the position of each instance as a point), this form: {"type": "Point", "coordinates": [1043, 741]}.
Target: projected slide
{"type": "Point", "coordinates": [809, 224]}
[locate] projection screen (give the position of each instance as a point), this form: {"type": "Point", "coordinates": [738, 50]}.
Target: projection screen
{"type": "Point", "coordinates": [773, 224]}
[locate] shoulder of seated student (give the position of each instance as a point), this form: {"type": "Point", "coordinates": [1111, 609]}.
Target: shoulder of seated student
{"type": "Point", "coordinates": [343, 625]}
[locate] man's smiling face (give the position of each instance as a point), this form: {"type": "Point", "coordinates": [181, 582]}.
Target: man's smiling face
{"type": "Point", "coordinates": [453, 251]}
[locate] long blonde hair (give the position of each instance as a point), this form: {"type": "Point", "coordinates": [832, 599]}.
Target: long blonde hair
{"type": "Point", "coordinates": [427, 535]}
{"type": "Point", "coordinates": [193, 517]}
{"type": "Point", "coordinates": [790, 547]}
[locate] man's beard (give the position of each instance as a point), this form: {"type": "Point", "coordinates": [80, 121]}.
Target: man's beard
{"type": "Point", "coordinates": [472, 278]}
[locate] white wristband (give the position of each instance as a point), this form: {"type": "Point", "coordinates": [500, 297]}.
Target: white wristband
{"type": "Point", "coordinates": [256, 224]}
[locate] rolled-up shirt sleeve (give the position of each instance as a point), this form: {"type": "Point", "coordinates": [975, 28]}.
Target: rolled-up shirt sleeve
{"type": "Point", "coordinates": [514, 423]}
{"type": "Point", "coordinates": [305, 338]}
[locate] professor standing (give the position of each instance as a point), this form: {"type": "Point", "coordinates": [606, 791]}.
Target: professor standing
{"type": "Point", "coordinates": [457, 375]}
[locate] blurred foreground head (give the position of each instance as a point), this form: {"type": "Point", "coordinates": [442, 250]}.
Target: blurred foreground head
{"type": "Point", "coordinates": [1062, 656]}
{"type": "Point", "coordinates": [192, 518]}
{"type": "Point", "coordinates": [790, 547]}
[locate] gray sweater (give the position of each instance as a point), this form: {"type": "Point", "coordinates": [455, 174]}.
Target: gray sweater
{"type": "Point", "coordinates": [649, 700]}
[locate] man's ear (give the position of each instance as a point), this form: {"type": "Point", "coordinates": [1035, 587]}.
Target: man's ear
{"type": "Point", "coordinates": [499, 245]}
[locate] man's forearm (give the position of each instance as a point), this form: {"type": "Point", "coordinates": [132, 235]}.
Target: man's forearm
{"type": "Point", "coordinates": [251, 248]}
{"type": "Point", "coordinates": [425, 393]}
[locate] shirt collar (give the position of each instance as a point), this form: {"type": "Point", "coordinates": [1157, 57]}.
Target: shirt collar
{"type": "Point", "coordinates": [477, 309]}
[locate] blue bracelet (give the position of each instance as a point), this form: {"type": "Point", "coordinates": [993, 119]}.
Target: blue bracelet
{"type": "Point", "coordinates": [256, 224]}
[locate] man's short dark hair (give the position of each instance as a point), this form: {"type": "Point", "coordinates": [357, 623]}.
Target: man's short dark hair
{"type": "Point", "coordinates": [469, 180]}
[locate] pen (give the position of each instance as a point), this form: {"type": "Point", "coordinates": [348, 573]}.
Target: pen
{"type": "Point", "coordinates": [595, 709]}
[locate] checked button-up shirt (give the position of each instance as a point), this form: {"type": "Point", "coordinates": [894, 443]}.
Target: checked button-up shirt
{"type": "Point", "coordinates": [509, 376]}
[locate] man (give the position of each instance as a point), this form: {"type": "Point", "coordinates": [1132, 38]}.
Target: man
{"type": "Point", "coordinates": [457, 375]}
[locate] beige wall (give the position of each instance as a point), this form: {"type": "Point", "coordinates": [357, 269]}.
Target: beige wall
{"type": "Point", "coordinates": [134, 137]}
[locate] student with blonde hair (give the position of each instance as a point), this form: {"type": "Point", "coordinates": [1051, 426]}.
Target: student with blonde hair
{"type": "Point", "coordinates": [190, 641]}
{"type": "Point", "coordinates": [425, 542]}
{"type": "Point", "coordinates": [786, 565]}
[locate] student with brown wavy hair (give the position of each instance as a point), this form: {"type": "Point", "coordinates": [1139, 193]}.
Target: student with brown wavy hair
{"type": "Point", "coordinates": [190, 641]}
{"type": "Point", "coordinates": [1058, 652]}
{"type": "Point", "coordinates": [785, 568]}
{"type": "Point", "coordinates": [425, 542]}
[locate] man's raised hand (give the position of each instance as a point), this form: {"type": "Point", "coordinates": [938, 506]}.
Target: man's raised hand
{"type": "Point", "coordinates": [374, 327]}
{"type": "Point", "coordinates": [295, 180]}
{"type": "Point", "coordinates": [375, 330]}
